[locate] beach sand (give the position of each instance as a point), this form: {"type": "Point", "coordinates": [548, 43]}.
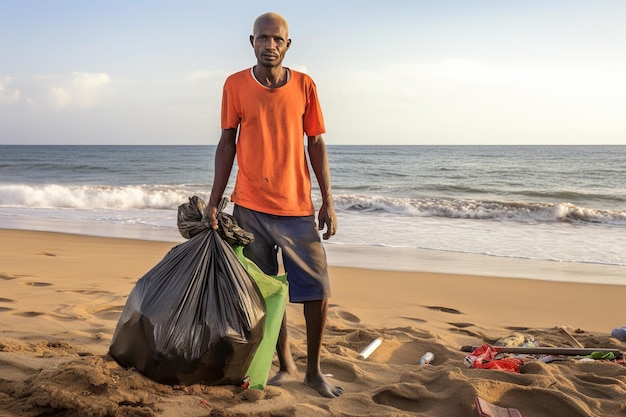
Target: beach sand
{"type": "Point", "coordinates": [61, 296]}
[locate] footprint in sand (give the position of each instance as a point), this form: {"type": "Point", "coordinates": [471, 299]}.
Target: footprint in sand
{"type": "Point", "coordinates": [516, 329]}
{"type": "Point", "coordinates": [342, 314]}
{"type": "Point", "coordinates": [69, 313]}
{"type": "Point", "coordinates": [415, 319]}
{"type": "Point", "coordinates": [5, 300]}
{"type": "Point", "coordinates": [92, 292]}
{"type": "Point", "coordinates": [467, 332]}
{"type": "Point", "coordinates": [444, 309]}
{"type": "Point", "coordinates": [405, 401]}
{"type": "Point", "coordinates": [463, 328]}
{"type": "Point", "coordinates": [30, 314]}
{"type": "Point", "coordinates": [109, 313]}
{"type": "Point", "coordinates": [38, 284]}
{"type": "Point", "coordinates": [461, 325]}
{"type": "Point", "coordinates": [5, 276]}
{"type": "Point", "coordinates": [348, 317]}
{"type": "Point", "coordinates": [564, 403]}
{"type": "Point", "coordinates": [342, 370]}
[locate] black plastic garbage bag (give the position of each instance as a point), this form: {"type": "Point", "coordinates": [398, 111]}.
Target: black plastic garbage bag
{"type": "Point", "coordinates": [190, 216]}
{"type": "Point", "coordinates": [190, 222]}
{"type": "Point", "coordinates": [196, 317]}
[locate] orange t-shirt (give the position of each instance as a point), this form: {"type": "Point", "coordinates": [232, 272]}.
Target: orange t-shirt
{"type": "Point", "coordinates": [273, 173]}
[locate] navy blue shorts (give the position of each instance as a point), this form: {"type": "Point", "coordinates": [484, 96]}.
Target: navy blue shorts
{"type": "Point", "coordinates": [303, 254]}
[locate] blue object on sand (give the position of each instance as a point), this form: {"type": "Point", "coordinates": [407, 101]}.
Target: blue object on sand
{"type": "Point", "coordinates": [619, 334]}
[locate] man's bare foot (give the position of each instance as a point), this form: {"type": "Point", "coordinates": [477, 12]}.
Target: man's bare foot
{"type": "Point", "coordinates": [321, 385]}
{"type": "Point", "coordinates": [280, 378]}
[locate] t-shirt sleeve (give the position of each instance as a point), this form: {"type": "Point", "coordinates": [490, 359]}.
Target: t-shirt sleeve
{"type": "Point", "coordinates": [313, 120]}
{"type": "Point", "coordinates": [231, 116]}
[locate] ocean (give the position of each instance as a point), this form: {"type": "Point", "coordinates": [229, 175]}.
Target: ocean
{"type": "Point", "coordinates": [449, 208]}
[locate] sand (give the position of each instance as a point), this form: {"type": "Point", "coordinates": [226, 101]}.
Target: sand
{"type": "Point", "coordinates": [61, 296]}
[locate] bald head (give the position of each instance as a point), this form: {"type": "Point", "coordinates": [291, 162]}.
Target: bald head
{"type": "Point", "coordinates": [273, 18]}
{"type": "Point", "coordinates": [270, 40]}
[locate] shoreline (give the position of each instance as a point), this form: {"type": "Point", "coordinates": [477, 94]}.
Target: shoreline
{"type": "Point", "coordinates": [422, 260]}
{"type": "Point", "coordinates": [370, 257]}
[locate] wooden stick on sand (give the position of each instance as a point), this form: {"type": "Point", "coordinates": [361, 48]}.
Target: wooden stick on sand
{"type": "Point", "coordinates": [570, 338]}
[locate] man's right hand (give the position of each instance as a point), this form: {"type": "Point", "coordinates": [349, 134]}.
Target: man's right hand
{"type": "Point", "coordinates": [210, 216]}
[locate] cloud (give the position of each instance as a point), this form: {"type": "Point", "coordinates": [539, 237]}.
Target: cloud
{"type": "Point", "coordinates": [75, 90]}
{"type": "Point", "coordinates": [58, 98]}
{"type": "Point", "coordinates": [78, 89]}
{"type": "Point", "coordinates": [85, 88]}
{"type": "Point", "coordinates": [8, 95]}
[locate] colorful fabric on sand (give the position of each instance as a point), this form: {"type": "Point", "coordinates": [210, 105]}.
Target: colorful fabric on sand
{"type": "Point", "coordinates": [484, 357]}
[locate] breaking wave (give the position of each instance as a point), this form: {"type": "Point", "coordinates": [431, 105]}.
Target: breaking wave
{"type": "Point", "coordinates": [168, 197]}
{"type": "Point", "coordinates": [134, 197]}
{"type": "Point", "coordinates": [480, 210]}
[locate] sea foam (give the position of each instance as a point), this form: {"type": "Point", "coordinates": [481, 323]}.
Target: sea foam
{"type": "Point", "coordinates": [137, 197]}
{"type": "Point", "coordinates": [480, 210]}
{"type": "Point", "coordinates": [92, 196]}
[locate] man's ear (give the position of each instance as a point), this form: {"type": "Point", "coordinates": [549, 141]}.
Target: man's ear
{"type": "Point", "coordinates": [252, 40]}
{"type": "Point", "coordinates": [288, 43]}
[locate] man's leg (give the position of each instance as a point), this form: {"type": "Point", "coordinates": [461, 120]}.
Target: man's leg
{"type": "Point", "coordinates": [307, 272]}
{"type": "Point", "coordinates": [315, 313]}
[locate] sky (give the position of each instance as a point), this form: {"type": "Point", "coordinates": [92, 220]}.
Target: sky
{"type": "Point", "coordinates": [417, 72]}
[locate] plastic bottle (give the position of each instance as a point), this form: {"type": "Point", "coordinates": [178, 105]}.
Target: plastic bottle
{"type": "Point", "coordinates": [370, 348]}
{"type": "Point", "coordinates": [427, 359]}
{"type": "Point", "coordinates": [619, 334]}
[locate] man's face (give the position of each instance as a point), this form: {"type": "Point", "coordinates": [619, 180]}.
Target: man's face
{"type": "Point", "coordinates": [270, 42]}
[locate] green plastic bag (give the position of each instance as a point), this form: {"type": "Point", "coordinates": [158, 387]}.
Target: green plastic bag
{"type": "Point", "coordinates": [274, 291]}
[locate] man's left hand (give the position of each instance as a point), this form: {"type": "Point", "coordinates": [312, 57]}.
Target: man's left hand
{"type": "Point", "coordinates": [326, 218]}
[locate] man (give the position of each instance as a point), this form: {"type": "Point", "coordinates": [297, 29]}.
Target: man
{"type": "Point", "coordinates": [266, 112]}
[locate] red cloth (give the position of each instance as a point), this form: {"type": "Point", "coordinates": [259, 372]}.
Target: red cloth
{"type": "Point", "coordinates": [484, 357]}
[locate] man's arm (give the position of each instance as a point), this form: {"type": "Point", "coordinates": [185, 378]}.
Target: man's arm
{"type": "Point", "coordinates": [319, 162]}
{"type": "Point", "coordinates": [224, 159]}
